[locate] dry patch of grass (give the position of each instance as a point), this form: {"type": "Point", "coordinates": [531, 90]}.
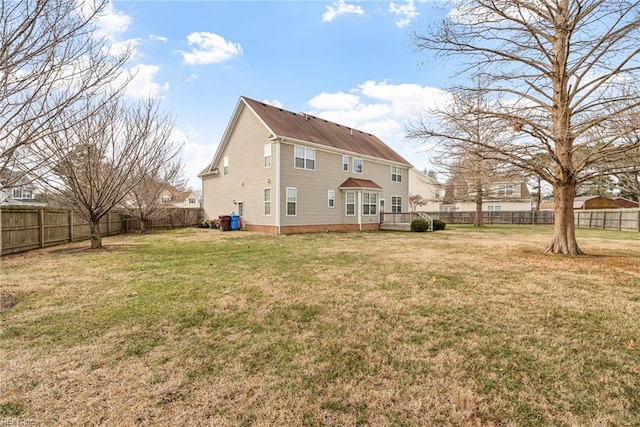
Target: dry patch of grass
{"type": "Point", "coordinates": [461, 327]}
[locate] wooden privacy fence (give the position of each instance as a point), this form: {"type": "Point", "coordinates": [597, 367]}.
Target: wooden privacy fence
{"type": "Point", "coordinates": [501, 217]}
{"type": "Point", "coordinates": [24, 229]}
{"type": "Point", "coordinates": [606, 219]}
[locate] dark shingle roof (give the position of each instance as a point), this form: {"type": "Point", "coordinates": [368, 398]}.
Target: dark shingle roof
{"type": "Point", "coordinates": [308, 128]}
{"type": "Point", "coordinates": [359, 183]}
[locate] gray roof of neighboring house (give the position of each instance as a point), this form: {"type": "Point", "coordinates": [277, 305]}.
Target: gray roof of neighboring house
{"type": "Point", "coordinates": [312, 129]}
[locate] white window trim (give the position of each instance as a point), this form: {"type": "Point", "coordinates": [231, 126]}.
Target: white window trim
{"type": "Point", "coordinates": [267, 155]}
{"type": "Point", "coordinates": [305, 158]}
{"type": "Point", "coordinates": [353, 165]}
{"type": "Point", "coordinates": [287, 201]}
{"type": "Point", "coordinates": [331, 196]}
{"type": "Point", "coordinates": [265, 201]}
{"type": "Point", "coordinates": [346, 203]}
{"type": "Point", "coordinates": [396, 174]}
{"type": "Point", "coordinates": [375, 205]}
{"type": "Point", "coordinates": [394, 205]}
{"type": "Point", "coordinates": [345, 162]}
{"type": "Point", "coordinates": [225, 166]}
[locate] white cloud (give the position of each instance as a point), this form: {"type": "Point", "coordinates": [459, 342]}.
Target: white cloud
{"type": "Point", "coordinates": [111, 22]}
{"type": "Point", "coordinates": [192, 77]}
{"type": "Point", "coordinates": [275, 103]}
{"type": "Point", "coordinates": [341, 8]}
{"type": "Point", "coordinates": [143, 82]}
{"type": "Point", "coordinates": [405, 13]}
{"type": "Point", "coordinates": [155, 37]}
{"type": "Point", "coordinates": [330, 101]}
{"type": "Point", "coordinates": [209, 48]}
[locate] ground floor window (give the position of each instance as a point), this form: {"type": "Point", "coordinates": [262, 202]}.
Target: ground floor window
{"type": "Point", "coordinates": [267, 201]}
{"type": "Point", "coordinates": [369, 203]}
{"type": "Point", "coordinates": [396, 204]}
{"type": "Point", "coordinates": [292, 201]}
{"type": "Point", "coordinates": [494, 208]}
{"type": "Point", "coordinates": [331, 198]}
{"type": "Point", "coordinates": [350, 200]}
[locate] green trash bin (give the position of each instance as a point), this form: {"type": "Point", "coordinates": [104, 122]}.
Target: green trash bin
{"type": "Point", "coordinates": [225, 222]}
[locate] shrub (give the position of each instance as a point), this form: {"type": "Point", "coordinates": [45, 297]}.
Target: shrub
{"type": "Point", "coordinates": [438, 225]}
{"type": "Point", "coordinates": [419, 225]}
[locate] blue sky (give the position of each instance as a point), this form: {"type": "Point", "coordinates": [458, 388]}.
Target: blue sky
{"type": "Point", "coordinates": [347, 61]}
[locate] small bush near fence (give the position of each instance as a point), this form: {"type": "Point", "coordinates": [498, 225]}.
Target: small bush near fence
{"type": "Point", "coordinates": [438, 225]}
{"type": "Point", "coordinates": [419, 225]}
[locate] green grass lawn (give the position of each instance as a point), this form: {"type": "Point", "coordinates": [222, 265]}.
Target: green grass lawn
{"type": "Point", "coordinates": [454, 328]}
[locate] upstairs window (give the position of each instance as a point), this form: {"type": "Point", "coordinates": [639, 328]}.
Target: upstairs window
{"type": "Point", "coordinates": [305, 158]}
{"type": "Point", "coordinates": [345, 163]}
{"type": "Point", "coordinates": [357, 165]}
{"type": "Point", "coordinates": [192, 200]}
{"type": "Point", "coordinates": [396, 174]}
{"type": "Point", "coordinates": [505, 190]}
{"type": "Point", "coordinates": [225, 166]}
{"type": "Point", "coordinates": [267, 155]}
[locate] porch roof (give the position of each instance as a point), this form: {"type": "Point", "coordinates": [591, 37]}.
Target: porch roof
{"type": "Point", "coordinates": [359, 184]}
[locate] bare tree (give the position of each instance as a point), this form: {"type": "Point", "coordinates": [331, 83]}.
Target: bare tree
{"type": "Point", "coordinates": [144, 201]}
{"type": "Point", "coordinates": [50, 58]}
{"type": "Point", "coordinates": [627, 176]}
{"type": "Point", "coordinates": [461, 134]}
{"type": "Point", "coordinates": [562, 72]}
{"type": "Point", "coordinates": [99, 161]}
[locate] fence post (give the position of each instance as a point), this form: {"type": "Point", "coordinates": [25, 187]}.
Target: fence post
{"type": "Point", "coordinates": [41, 226]}
{"type": "Point", "coordinates": [71, 226]}
{"type": "Point", "coordinates": [619, 220]}
{"type": "Point", "coordinates": [638, 221]}
{"type": "Point", "coordinates": [604, 220]}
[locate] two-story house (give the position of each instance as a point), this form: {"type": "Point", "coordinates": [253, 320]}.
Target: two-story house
{"type": "Point", "coordinates": [502, 193]}
{"type": "Point", "coordinates": [16, 191]}
{"type": "Point", "coordinates": [286, 172]}
{"type": "Point", "coordinates": [170, 196]}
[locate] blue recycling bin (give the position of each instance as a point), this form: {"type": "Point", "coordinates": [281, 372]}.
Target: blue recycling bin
{"type": "Point", "coordinates": [235, 222]}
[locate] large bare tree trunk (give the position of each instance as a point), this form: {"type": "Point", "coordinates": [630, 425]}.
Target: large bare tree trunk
{"type": "Point", "coordinates": [564, 235]}
{"type": "Point", "coordinates": [96, 237]}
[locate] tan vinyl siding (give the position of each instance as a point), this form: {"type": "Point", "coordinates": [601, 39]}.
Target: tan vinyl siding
{"type": "Point", "coordinates": [312, 187]}
{"type": "Point", "coordinates": [247, 175]}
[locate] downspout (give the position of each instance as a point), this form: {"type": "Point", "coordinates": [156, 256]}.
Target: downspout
{"type": "Point", "coordinates": [359, 208]}
{"type": "Point", "coordinates": [278, 230]}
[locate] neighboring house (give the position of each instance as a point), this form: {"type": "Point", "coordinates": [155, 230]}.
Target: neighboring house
{"type": "Point", "coordinates": [17, 193]}
{"type": "Point", "coordinates": [426, 186]}
{"type": "Point", "coordinates": [506, 193]}
{"type": "Point", "coordinates": [585, 202]}
{"type": "Point", "coordinates": [172, 197]}
{"type": "Point", "coordinates": [286, 172]}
